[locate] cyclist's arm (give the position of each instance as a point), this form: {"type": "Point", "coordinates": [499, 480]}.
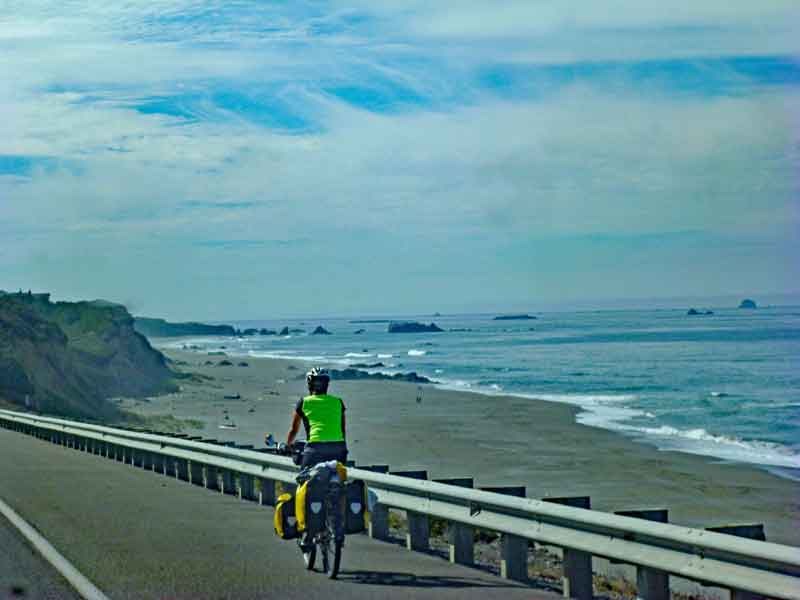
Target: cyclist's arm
{"type": "Point", "coordinates": [295, 427]}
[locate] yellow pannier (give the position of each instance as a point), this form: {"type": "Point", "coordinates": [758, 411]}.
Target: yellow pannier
{"type": "Point", "coordinates": [285, 518]}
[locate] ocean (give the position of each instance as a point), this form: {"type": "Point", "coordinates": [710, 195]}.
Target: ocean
{"type": "Point", "coordinates": [725, 385]}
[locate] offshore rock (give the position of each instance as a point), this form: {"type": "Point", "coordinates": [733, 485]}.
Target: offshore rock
{"type": "Point", "coordinates": [748, 303]}
{"type": "Point", "coordinates": [351, 374]}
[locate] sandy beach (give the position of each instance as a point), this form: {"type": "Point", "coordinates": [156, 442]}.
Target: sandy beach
{"type": "Point", "coordinates": [498, 440]}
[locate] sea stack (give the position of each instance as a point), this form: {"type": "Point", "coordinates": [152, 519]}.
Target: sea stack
{"type": "Point", "coordinates": [748, 303]}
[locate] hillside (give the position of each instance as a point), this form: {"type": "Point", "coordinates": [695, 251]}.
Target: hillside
{"type": "Point", "coordinates": [68, 358]}
{"type": "Point", "coordinates": [161, 328]}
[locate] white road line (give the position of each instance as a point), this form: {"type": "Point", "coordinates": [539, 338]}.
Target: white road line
{"type": "Point", "coordinates": [82, 585]}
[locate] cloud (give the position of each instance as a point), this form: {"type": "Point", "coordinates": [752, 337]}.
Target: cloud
{"type": "Point", "coordinates": [418, 136]}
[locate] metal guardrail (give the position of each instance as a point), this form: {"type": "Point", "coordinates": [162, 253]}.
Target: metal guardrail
{"type": "Point", "coordinates": [749, 568]}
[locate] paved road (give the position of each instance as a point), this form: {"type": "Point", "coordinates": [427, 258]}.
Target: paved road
{"type": "Point", "coordinates": [137, 534]}
{"type": "Point", "coordinates": [23, 573]}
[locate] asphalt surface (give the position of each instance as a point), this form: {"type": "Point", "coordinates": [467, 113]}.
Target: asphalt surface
{"type": "Point", "coordinates": [23, 573]}
{"type": "Point", "coordinates": [138, 534]}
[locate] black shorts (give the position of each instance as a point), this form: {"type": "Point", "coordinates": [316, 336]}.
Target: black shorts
{"type": "Point", "coordinates": [317, 452]}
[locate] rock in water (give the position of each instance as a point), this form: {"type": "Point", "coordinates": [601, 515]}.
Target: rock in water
{"type": "Point", "coordinates": [413, 327]}
{"type": "Point", "coordinates": [284, 331]}
{"type": "Point", "coordinates": [748, 303]}
{"type": "Point", "coordinates": [349, 373]}
{"type": "Point", "coordinates": [320, 330]}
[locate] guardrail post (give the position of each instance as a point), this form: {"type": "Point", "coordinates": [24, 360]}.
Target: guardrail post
{"type": "Point", "coordinates": [378, 528]}
{"type": "Point", "coordinates": [376, 468]}
{"type": "Point", "coordinates": [247, 487]}
{"type": "Point", "coordinates": [147, 460]}
{"type": "Point", "coordinates": [460, 537]}
{"type": "Point", "coordinates": [513, 557]}
{"type": "Point", "coordinates": [211, 477]}
{"type": "Point", "coordinates": [182, 469]}
{"type": "Point", "coordinates": [419, 531]}
{"type": "Point", "coordinates": [753, 531]}
{"type": "Point", "coordinates": [419, 525]}
{"type": "Point", "coordinates": [513, 549]}
{"type": "Point", "coordinates": [266, 493]}
{"type": "Point", "coordinates": [651, 584]}
{"type": "Point", "coordinates": [379, 522]}
{"type": "Point", "coordinates": [228, 482]}
{"type": "Point", "coordinates": [196, 473]}
{"type": "Point", "coordinates": [577, 578]}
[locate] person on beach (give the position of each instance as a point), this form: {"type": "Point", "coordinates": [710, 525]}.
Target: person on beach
{"type": "Point", "coordinates": [322, 416]}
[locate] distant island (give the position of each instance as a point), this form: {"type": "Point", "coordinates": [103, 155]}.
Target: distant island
{"type": "Point", "coordinates": [161, 328]}
{"type": "Point", "coordinates": [693, 312]}
{"type": "Point", "coordinates": [521, 317]}
{"type": "Point", "coordinates": [413, 327]}
{"type": "Point", "coordinates": [748, 303]}
{"type": "Point", "coordinates": [372, 321]}
{"type": "Point", "coordinates": [69, 358]}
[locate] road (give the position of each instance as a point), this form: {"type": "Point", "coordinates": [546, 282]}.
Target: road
{"type": "Point", "coordinates": [138, 534]}
{"type": "Point", "coordinates": [23, 573]}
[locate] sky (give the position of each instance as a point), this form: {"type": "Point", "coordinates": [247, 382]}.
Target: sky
{"type": "Point", "coordinates": [244, 160]}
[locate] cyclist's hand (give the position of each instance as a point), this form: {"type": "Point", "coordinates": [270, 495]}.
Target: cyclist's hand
{"type": "Point", "coordinates": [283, 448]}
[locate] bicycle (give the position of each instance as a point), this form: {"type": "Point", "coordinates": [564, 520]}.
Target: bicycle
{"type": "Point", "coordinates": [329, 539]}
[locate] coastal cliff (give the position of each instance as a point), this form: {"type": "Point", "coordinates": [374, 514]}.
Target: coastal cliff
{"type": "Point", "coordinates": [161, 328]}
{"type": "Point", "coordinates": [68, 358]}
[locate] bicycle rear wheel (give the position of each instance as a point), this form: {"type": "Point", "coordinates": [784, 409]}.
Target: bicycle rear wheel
{"type": "Point", "coordinates": [324, 548]}
{"type": "Point", "coordinates": [337, 560]}
{"type": "Point", "coordinates": [310, 558]}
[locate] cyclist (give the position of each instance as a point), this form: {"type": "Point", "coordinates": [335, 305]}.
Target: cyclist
{"type": "Point", "coordinates": [323, 417]}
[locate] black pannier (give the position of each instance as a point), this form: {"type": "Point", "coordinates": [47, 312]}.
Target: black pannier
{"type": "Point", "coordinates": [356, 514]}
{"type": "Point", "coordinates": [310, 505]}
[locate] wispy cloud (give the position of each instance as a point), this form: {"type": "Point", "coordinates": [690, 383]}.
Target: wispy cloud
{"type": "Point", "coordinates": [181, 127]}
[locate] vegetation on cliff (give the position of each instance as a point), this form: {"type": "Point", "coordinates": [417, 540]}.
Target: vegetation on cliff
{"type": "Point", "coordinates": [162, 328]}
{"type": "Point", "coordinates": [68, 358]}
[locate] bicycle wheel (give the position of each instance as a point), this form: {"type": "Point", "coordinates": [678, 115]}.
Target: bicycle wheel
{"type": "Point", "coordinates": [310, 558]}
{"type": "Point", "coordinates": [324, 547]}
{"type": "Point", "coordinates": [337, 560]}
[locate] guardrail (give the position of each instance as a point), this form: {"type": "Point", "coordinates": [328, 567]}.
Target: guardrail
{"type": "Point", "coordinates": [749, 568]}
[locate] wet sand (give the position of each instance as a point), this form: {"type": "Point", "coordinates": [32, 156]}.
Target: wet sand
{"type": "Point", "coordinates": [498, 440]}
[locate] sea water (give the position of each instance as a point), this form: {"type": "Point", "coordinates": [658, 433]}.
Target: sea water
{"type": "Point", "coordinates": [725, 385]}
